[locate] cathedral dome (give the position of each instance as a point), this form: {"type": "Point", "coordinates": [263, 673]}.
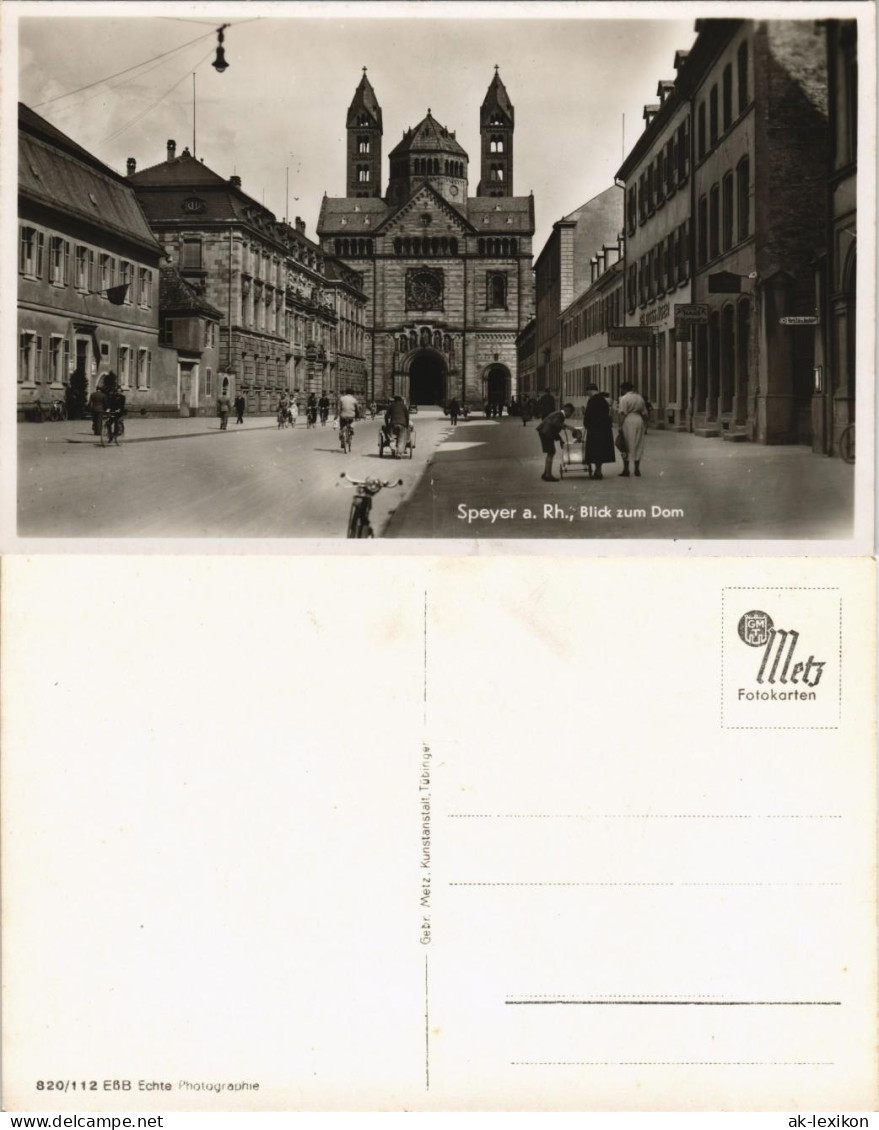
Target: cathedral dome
{"type": "Point", "coordinates": [428, 137]}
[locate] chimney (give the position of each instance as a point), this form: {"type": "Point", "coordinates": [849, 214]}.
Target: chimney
{"type": "Point", "coordinates": [235, 182]}
{"type": "Point", "coordinates": [132, 166]}
{"type": "Point", "coordinates": [172, 149]}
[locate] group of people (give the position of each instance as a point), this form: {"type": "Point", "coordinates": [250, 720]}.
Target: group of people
{"type": "Point", "coordinates": [599, 445]}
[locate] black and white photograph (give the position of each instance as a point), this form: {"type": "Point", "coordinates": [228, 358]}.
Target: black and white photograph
{"type": "Point", "coordinates": [573, 273]}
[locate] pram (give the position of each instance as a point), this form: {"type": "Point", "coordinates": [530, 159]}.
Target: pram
{"type": "Point", "coordinates": [571, 456]}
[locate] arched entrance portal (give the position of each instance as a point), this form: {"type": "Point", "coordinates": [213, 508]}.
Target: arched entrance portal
{"type": "Point", "coordinates": [496, 384]}
{"type": "Point", "coordinates": [427, 378]}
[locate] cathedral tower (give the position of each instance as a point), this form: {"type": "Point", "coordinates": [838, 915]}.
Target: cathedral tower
{"type": "Point", "coordinates": [364, 125]}
{"type": "Point", "coordinates": [496, 119]}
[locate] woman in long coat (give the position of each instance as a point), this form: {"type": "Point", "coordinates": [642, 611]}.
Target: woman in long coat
{"type": "Point", "coordinates": [633, 424]}
{"type": "Point", "coordinates": [599, 434]}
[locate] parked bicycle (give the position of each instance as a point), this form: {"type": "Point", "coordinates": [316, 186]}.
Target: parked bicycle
{"type": "Point", "coordinates": [58, 410]}
{"type": "Point", "coordinates": [847, 444]}
{"type": "Point", "coordinates": [361, 504]}
{"type": "Point", "coordinates": [112, 429]}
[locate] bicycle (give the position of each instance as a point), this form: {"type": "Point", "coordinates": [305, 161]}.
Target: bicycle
{"type": "Point", "coordinates": [112, 429]}
{"type": "Point", "coordinates": [58, 411]}
{"type": "Point", "coordinates": [361, 504]}
{"type": "Point", "coordinates": [283, 418]}
{"type": "Point", "coordinates": [847, 444]}
{"type": "Point", "coordinates": [311, 418]}
{"type": "Point", "coordinates": [346, 435]}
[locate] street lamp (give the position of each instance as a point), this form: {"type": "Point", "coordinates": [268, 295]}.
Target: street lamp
{"type": "Point", "coordinates": [219, 64]}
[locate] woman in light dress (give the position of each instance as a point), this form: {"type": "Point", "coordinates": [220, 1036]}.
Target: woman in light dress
{"type": "Point", "coordinates": [632, 410]}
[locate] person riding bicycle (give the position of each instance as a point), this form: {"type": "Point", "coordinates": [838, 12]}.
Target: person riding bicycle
{"type": "Point", "coordinates": [311, 410]}
{"type": "Point", "coordinates": [323, 407]}
{"type": "Point", "coordinates": [397, 423]}
{"type": "Point", "coordinates": [346, 412]}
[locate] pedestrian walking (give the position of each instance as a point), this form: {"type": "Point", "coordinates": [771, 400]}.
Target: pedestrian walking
{"type": "Point", "coordinates": [633, 413]}
{"type": "Point", "coordinates": [240, 405]}
{"type": "Point", "coordinates": [293, 412]}
{"type": "Point", "coordinates": [454, 409]}
{"type": "Point", "coordinates": [224, 405]}
{"type": "Point", "coordinates": [97, 407]}
{"type": "Point", "coordinates": [599, 448]}
{"type": "Point", "coordinates": [550, 429]}
{"type": "Point", "coordinates": [546, 404]}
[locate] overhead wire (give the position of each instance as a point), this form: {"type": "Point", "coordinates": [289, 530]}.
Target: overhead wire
{"type": "Point", "coordinates": [136, 66]}
{"type": "Point", "coordinates": [152, 105]}
{"type": "Point", "coordinates": [114, 86]}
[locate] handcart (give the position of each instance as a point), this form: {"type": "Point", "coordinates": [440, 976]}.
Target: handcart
{"type": "Point", "coordinates": [388, 441]}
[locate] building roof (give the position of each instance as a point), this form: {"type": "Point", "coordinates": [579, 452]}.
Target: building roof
{"type": "Point", "coordinates": [364, 100]}
{"type": "Point", "coordinates": [428, 137]}
{"type": "Point", "coordinates": [164, 189]}
{"type": "Point", "coordinates": [488, 215]}
{"type": "Point", "coordinates": [496, 98]}
{"type": "Point", "coordinates": [178, 297]}
{"type": "Point", "coordinates": [58, 173]}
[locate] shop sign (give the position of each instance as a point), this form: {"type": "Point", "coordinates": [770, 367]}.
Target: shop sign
{"type": "Point", "coordinates": [802, 320]}
{"type": "Point", "coordinates": [691, 314]}
{"type": "Point", "coordinates": [629, 335]}
{"type": "Point", "coordinates": [655, 316]}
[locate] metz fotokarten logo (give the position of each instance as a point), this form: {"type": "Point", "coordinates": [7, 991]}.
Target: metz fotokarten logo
{"type": "Point", "coordinates": [783, 671]}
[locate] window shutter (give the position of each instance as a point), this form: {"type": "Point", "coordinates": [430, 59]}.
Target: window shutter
{"type": "Point", "coordinates": [65, 372]}
{"type": "Point", "coordinates": [149, 370]}
{"type": "Point", "coordinates": [39, 255]}
{"type": "Point", "coordinates": [38, 365]}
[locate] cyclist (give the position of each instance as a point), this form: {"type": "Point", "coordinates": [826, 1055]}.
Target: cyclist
{"type": "Point", "coordinates": [115, 402]}
{"type": "Point", "coordinates": [323, 407]}
{"type": "Point", "coordinates": [311, 410]}
{"type": "Point", "coordinates": [347, 413]}
{"type": "Point", "coordinates": [373, 409]}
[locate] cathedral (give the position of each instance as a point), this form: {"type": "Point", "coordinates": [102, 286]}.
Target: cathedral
{"type": "Point", "coordinates": [447, 274]}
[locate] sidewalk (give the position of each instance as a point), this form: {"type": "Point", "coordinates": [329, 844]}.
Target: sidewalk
{"type": "Point", "coordinates": [484, 481]}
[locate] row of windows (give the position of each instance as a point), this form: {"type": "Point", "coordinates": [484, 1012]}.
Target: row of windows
{"type": "Point", "coordinates": [703, 142]}
{"type": "Point", "coordinates": [91, 273]}
{"type": "Point", "coordinates": [263, 370]}
{"type": "Point", "coordinates": [496, 144]}
{"type": "Point", "coordinates": [414, 340]}
{"type": "Point", "coordinates": [351, 248]}
{"type": "Point", "coordinates": [433, 246]}
{"type": "Point", "coordinates": [363, 176]}
{"type": "Point", "coordinates": [499, 248]}
{"type": "Point", "coordinates": [594, 318]}
{"type": "Point", "coordinates": [661, 269]}
{"type": "Point", "coordinates": [666, 172]}
{"type": "Point", "coordinates": [363, 145]}
{"type": "Point", "coordinates": [52, 366]}
{"type": "Point", "coordinates": [496, 173]}
{"type": "Point", "coordinates": [433, 166]}
{"type": "Point", "coordinates": [725, 213]}
{"type": "Point", "coordinates": [607, 377]}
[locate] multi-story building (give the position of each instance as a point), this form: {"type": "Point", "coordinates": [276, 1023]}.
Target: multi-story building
{"type": "Point", "coordinates": [88, 276]}
{"type": "Point", "coordinates": [265, 277]}
{"type": "Point", "coordinates": [587, 357]}
{"type": "Point", "coordinates": [833, 402]}
{"type": "Point", "coordinates": [656, 176]}
{"type": "Point", "coordinates": [345, 289]}
{"type": "Point", "coordinates": [190, 327]}
{"type": "Point", "coordinates": [447, 275]}
{"type": "Point", "coordinates": [526, 346]}
{"type": "Point", "coordinates": [563, 271]}
{"type": "Point", "coordinates": [758, 94]}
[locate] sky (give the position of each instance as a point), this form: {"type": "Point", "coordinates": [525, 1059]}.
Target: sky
{"type": "Point", "coordinates": [281, 105]}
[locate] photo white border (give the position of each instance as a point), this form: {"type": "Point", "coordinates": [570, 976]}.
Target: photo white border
{"type": "Point", "coordinates": [864, 517]}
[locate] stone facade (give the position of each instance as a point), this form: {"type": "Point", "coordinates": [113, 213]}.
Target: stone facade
{"type": "Point", "coordinates": [447, 277]}
{"type": "Point", "coordinates": [657, 186]}
{"type": "Point", "coordinates": [833, 394]}
{"type": "Point", "coordinates": [88, 279]}
{"type": "Point", "coordinates": [587, 357]}
{"type": "Point", "coordinates": [563, 271]}
{"type": "Point", "coordinates": [268, 280]}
